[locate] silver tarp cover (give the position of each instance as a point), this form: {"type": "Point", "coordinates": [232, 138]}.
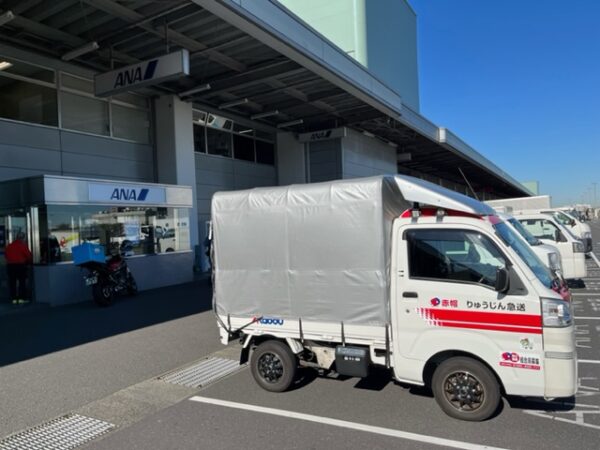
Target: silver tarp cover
{"type": "Point", "coordinates": [316, 251]}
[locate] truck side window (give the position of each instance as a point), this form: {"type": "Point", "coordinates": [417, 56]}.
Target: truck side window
{"type": "Point", "coordinates": [540, 228]}
{"type": "Point", "coordinates": [453, 255]}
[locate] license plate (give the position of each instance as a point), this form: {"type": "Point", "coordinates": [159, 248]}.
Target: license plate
{"type": "Point", "coordinates": [91, 280]}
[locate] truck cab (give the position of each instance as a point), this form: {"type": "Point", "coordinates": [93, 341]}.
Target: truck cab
{"type": "Point", "coordinates": [550, 231]}
{"type": "Point", "coordinates": [580, 230]}
{"type": "Point", "coordinates": [470, 286]}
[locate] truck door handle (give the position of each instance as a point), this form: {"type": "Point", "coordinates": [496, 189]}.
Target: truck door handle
{"type": "Point", "coordinates": [410, 295]}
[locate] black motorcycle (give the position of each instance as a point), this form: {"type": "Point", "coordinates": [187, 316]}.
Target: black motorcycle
{"type": "Point", "coordinates": [109, 279]}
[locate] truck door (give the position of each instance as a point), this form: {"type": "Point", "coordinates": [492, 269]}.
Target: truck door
{"type": "Point", "coordinates": [446, 295]}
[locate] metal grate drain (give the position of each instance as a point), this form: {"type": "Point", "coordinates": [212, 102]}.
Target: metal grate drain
{"type": "Point", "coordinates": [58, 434]}
{"type": "Point", "coordinates": [204, 372]}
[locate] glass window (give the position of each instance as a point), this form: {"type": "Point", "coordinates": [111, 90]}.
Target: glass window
{"type": "Point", "coordinates": [525, 253]}
{"type": "Point", "coordinates": [84, 113]}
{"type": "Point", "coordinates": [530, 238]}
{"type": "Point", "coordinates": [540, 228]}
{"type": "Point", "coordinates": [76, 83]}
{"type": "Point", "coordinates": [199, 138]}
{"type": "Point", "coordinates": [132, 99]}
{"type": "Point", "coordinates": [243, 148]}
{"type": "Point", "coordinates": [218, 142]}
{"type": "Point", "coordinates": [28, 102]}
{"type": "Point", "coordinates": [265, 152]}
{"type": "Point", "coordinates": [199, 117]}
{"type": "Point", "coordinates": [132, 124]}
{"type": "Point", "coordinates": [11, 66]}
{"type": "Point", "coordinates": [453, 255]}
{"type": "Point", "coordinates": [131, 230]}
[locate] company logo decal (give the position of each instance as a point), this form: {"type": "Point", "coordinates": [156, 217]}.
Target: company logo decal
{"type": "Point", "coordinates": [500, 306]}
{"type": "Point", "coordinates": [444, 302]}
{"type": "Point", "coordinates": [271, 321]}
{"type": "Point", "coordinates": [479, 320]}
{"type": "Point", "coordinates": [129, 194]}
{"type": "Point", "coordinates": [513, 359]}
{"type": "Point", "coordinates": [135, 75]}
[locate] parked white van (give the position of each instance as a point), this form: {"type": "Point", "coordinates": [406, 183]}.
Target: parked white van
{"type": "Point", "coordinates": [548, 254]}
{"type": "Point", "coordinates": [580, 230]}
{"type": "Point", "coordinates": [549, 230]}
{"type": "Point", "coordinates": [391, 271]}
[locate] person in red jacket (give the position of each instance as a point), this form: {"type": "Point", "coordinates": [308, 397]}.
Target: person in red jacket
{"type": "Point", "coordinates": [18, 258]}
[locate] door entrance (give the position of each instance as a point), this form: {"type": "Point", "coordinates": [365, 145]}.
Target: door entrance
{"type": "Point", "coordinates": [11, 223]}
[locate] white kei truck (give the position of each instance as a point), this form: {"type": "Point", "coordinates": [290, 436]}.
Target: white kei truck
{"type": "Point", "coordinates": [547, 253]}
{"type": "Point", "coordinates": [541, 204]}
{"type": "Point", "coordinates": [391, 271]}
{"type": "Point", "coordinates": [550, 230]}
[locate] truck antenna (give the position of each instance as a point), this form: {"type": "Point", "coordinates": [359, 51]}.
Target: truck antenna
{"type": "Point", "coordinates": [468, 184]}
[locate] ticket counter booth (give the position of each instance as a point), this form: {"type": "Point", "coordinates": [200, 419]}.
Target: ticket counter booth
{"type": "Point", "coordinates": [148, 223]}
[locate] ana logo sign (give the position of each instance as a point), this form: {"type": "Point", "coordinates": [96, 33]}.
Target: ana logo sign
{"type": "Point", "coordinates": [129, 194]}
{"type": "Point", "coordinates": [113, 193]}
{"type": "Point", "coordinates": [320, 135]}
{"type": "Point", "coordinates": [133, 75]}
{"type": "Point", "coordinates": [152, 71]}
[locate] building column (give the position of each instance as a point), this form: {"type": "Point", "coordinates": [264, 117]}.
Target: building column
{"type": "Point", "coordinates": [291, 160]}
{"type": "Point", "coordinates": [175, 162]}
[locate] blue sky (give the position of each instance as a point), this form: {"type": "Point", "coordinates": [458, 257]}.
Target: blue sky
{"type": "Point", "coordinates": [520, 82]}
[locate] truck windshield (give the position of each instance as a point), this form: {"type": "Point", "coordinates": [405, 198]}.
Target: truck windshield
{"type": "Point", "coordinates": [525, 253]}
{"type": "Point", "coordinates": [530, 238]}
{"type": "Point", "coordinates": [563, 218]}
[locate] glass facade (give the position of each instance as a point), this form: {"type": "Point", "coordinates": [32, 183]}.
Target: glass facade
{"type": "Point", "coordinates": [33, 94]}
{"type": "Point", "coordinates": [216, 135]}
{"type": "Point", "coordinates": [130, 230]}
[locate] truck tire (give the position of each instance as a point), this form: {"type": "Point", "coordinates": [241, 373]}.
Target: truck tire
{"type": "Point", "coordinates": [466, 389]}
{"type": "Point", "coordinates": [273, 366]}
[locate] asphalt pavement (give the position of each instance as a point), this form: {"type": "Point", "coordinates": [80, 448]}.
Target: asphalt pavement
{"type": "Point", "coordinates": [55, 360]}
{"type": "Point", "coordinates": [320, 412]}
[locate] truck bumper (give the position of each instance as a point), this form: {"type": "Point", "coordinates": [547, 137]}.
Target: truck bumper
{"type": "Point", "coordinates": [560, 375]}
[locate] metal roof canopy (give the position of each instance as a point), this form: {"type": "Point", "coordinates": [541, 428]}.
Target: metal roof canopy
{"type": "Point", "coordinates": [256, 56]}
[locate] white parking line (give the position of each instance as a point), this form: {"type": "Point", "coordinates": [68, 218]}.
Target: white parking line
{"type": "Point", "coordinates": [595, 258]}
{"type": "Point", "coordinates": [344, 424]}
{"type": "Point", "coordinates": [587, 318]}
{"type": "Point", "coordinates": [588, 361]}
{"type": "Point", "coordinates": [579, 294]}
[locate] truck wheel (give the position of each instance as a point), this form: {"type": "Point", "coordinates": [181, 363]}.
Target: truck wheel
{"type": "Point", "coordinates": [466, 389]}
{"type": "Point", "coordinates": [273, 366]}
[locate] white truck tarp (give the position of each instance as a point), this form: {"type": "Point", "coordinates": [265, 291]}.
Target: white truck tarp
{"type": "Point", "coordinates": [319, 252]}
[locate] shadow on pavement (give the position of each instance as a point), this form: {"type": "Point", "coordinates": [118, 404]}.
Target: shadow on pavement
{"type": "Point", "coordinates": [45, 330]}
{"type": "Point", "coordinates": [539, 404]}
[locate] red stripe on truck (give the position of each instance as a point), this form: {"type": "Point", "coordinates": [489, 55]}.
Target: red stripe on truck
{"type": "Point", "coordinates": [492, 318]}
{"type": "Point", "coordinates": [489, 327]}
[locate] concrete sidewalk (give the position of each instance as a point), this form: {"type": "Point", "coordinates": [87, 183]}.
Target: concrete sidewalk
{"type": "Point", "coordinates": [53, 360]}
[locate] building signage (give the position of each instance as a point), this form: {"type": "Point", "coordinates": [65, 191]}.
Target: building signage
{"type": "Point", "coordinates": [148, 72]}
{"type": "Point", "coordinates": [322, 135]}
{"type": "Point", "coordinates": [126, 193]}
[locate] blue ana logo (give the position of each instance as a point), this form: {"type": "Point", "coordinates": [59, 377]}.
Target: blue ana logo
{"type": "Point", "coordinates": [271, 321]}
{"type": "Point", "coordinates": [129, 195]}
{"type": "Point", "coordinates": [134, 75]}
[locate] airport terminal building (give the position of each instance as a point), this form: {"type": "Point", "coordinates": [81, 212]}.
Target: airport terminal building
{"type": "Point", "coordinates": [120, 119]}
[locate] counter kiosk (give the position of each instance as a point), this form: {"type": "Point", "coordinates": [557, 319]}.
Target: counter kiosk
{"type": "Point", "coordinates": [148, 223]}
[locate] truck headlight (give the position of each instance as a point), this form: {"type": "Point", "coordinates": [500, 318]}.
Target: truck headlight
{"type": "Point", "coordinates": [556, 313]}
{"type": "Point", "coordinates": [554, 261]}
{"type": "Point", "coordinates": [587, 235]}
{"type": "Point", "coordinates": [578, 247]}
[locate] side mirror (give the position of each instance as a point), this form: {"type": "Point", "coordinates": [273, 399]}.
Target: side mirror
{"type": "Point", "coordinates": [572, 222]}
{"type": "Point", "coordinates": [502, 280]}
{"type": "Point", "coordinates": [557, 236]}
